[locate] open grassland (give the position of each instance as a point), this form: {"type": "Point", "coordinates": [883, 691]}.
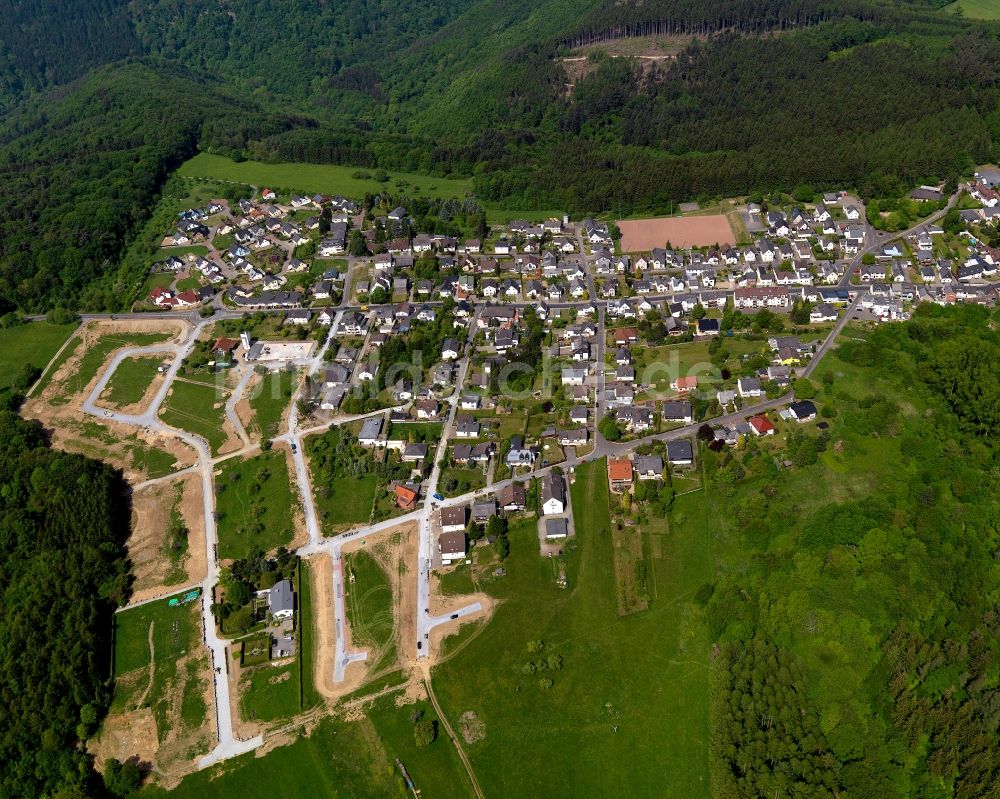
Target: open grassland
{"type": "Point", "coordinates": [31, 344]}
{"type": "Point", "coordinates": [269, 401]}
{"type": "Point", "coordinates": [349, 181]}
{"type": "Point", "coordinates": [131, 380]}
{"type": "Point", "coordinates": [975, 9]}
{"type": "Point", "coordinates": [254, 504]}
{"type": "Point", "coordinates": [198, 408]}
{"type": "Point", "coordinates": [319, 178]}
{"type": "Point", "coordinates": [592, 727]}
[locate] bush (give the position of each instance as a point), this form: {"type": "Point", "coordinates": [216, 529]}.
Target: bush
{"type": "Point", "coordinates": [425, 732]}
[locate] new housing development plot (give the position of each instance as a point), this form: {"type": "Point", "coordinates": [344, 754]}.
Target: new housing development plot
{"type": "Point", "coordinates": [642, 235]}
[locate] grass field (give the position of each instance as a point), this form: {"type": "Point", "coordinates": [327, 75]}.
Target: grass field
{"type": "Point", "coordinates": [975, 9]}
{"type": "Point", "coordinates": [369, 609]}
{"type": "Point", "coordinates": [348, 760]}
{"type": "Point", "coordinates": [658, 366]}
{"type": "Point", "coordinates": [348, 502]}
{"type": "Point", "coordinates": [333, 179]}
{"type": "Point", "coordinates": [270, 693]}
{"type": "Point", "coordinates": [307, 639]}
{"type": "Point", "coordinates": [34, 343]}
{"type": "Point", "coordinates": [95, 357]}
{"type": "Point", "coordinates": [317, 178]}
{"type": "Point", "coordinates": [132, 631]}
{"type": "Point", "coordinates": [455, 481]}
{"type": "Point", "coordinates": [198, 408]}
{"type": "Point", "coordinates": [593, 732]}
{"type": "Point", "coordinates": [254, 504]}
{"type": "Point", "coordinates": [269, 401]}
{"type": "Point", "coordinates": [131, 380]}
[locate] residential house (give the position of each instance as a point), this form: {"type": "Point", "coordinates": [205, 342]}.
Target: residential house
{"type": "Point", "coordinates": [802, 411]}
{"type": "Point", "coordinates": [553, 494]}
{"type": "Point", "coordinates": [677, 412]}
{"type": "Point", "coordinates": [620, 474]}
{"type": "Point", "coordinates": [749, 387]}
{"type": "Point", "coordinates": [512, 497]}
{"type": "Point", "coordinates": [281, 600]}
{"type": "Point", "coordinates": [761, 425]}
{"type": "Point", "coordinates": [680, 453]}
{"type": "Point", "coordinates": [649, 467]}
{"type": "Point", "coordinates": [452, 544]}
{"type": "Point", "coordinates": [453, 520]}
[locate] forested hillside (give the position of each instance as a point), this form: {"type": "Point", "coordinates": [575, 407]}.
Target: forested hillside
{"type": "Point", "coordinates": [875, 95]}
{"type": "Point", "coordinates": [63, 524]}
{"type": "Point", "coordinates": [52, 42]}
{"type": "Point", "coordinates": [858, 641]}
{"type": "Point", "coordinates": [80, 168]}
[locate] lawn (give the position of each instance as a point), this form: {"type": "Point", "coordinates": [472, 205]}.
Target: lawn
{"type": "Point", "coordinates": [318, 178]}
{"type": "Point", "coordinates": [429, 432]}
{"type": "Point", "coordinates": [131, 380]}
{"type": "Point", "coordinates": [455, 481]}
{"type": "Point", "coordinates": [175, 630]}
{"type": "Point", "coordinates": [198, 408]}
{"type": "Point", "coordinates": [31, 344]}
{"type": "Point", "coordinates": [456, 581]}
{"type": "Point", "coordinates": [592, 732]}
{"type": "Point", "coordinates": [348, 501]}
{"type": "Point", "coordinates": [269, 401]}
{"type": "Point", "coordinates": [307, 636]}
{"type": "Point", "coordinates": [658, 366]}
{"type": "Point", "coordinates": [975, 9]}
{"type": "Point", "coordinates": [254, 503]}
{"type": "Point", "coordinates": [156, 280]}
{"type": "Point", "coordinates": [269, 693]}
{"type": "Point", "coordinates": [369, 609]}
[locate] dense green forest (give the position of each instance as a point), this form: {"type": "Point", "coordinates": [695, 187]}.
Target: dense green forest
{"type": "Point", "coordinates": [762, 96]}
{"type": "Point", "coordinates": [858, 641]}
{"type": "Point", "coordinates": [63, 524]}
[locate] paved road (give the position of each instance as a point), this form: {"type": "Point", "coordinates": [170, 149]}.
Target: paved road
{"type": "Point", "coordinates": [425, 547]}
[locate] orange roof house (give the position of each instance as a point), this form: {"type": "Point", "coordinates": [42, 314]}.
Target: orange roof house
{"type": "Point", "coordinates": [406, 498]}
{"type": "Point", "coordinates": [761, 425]}
{"type": "Point", "coordinates": [685, 384]}
{"type": "Point", "coordinates": [620, 472]}
{"type": "Point", "coordinates": [225, 345]}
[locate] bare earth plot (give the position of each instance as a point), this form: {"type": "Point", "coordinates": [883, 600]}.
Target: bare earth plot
{"type": "Point", "coordinates": [642, 235]}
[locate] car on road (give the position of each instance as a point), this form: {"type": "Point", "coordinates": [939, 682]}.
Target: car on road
{"type": "Point", "coordinates": [420, 644]}
{"type": "Point", "coordinates": [439, 497]}
{"type": "Point", "coordinates": [294, 449]}
{"type": "Point", "coordinates": [454, 615]}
